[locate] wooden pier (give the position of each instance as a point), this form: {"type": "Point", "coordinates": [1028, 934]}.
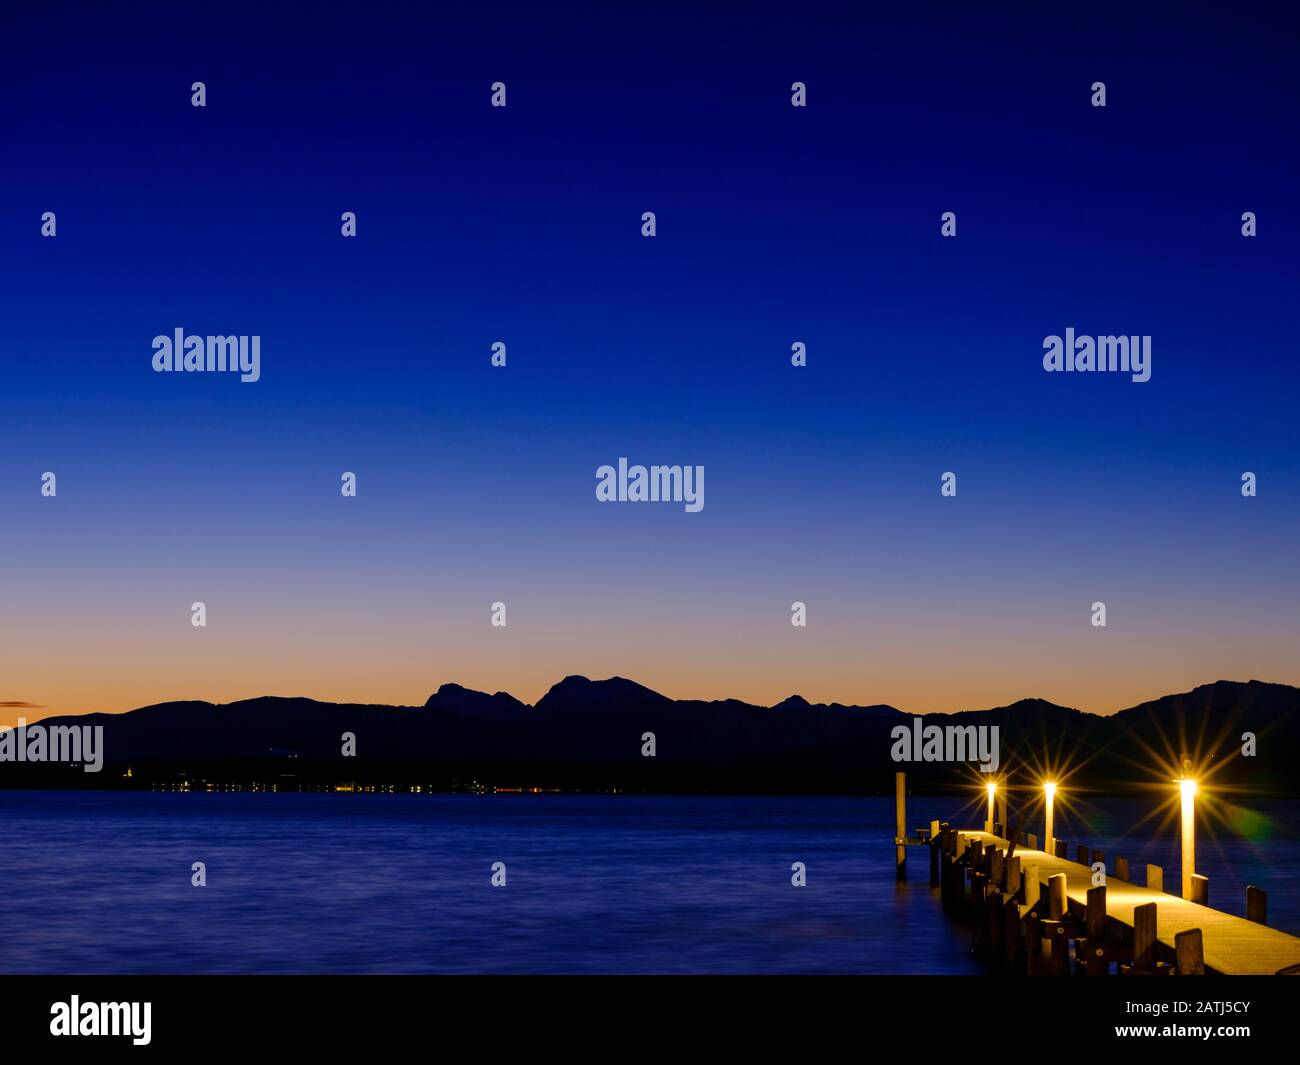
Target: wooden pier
{"type": "Point", "coordinates": [1037, 912]}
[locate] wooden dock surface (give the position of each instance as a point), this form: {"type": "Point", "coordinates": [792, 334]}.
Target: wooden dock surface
{"type": "Point", "coordinates": [1233, 945]}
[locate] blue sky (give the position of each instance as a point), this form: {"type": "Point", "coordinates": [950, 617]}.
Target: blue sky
{"type": "Point", "coordinates": [522, 224]}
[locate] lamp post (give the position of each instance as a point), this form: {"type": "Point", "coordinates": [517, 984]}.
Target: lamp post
{"type": "Point", "coordinates": [1188, 788]}
{"type": "Point", "coordinates": [1049, 791]}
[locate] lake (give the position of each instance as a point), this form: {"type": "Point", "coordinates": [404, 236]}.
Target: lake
{"type": "Point", "coordinates": [99, 882]}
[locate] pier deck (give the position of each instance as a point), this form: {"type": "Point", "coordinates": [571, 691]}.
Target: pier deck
{"type": "Point", "coordinates": [1232, 945]}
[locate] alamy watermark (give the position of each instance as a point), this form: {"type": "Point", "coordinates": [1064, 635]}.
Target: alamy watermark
{"type": "Point", "coordinates": [75, 1017]}
{"type": "Point", "coordinates": [58, 743]}
{"type": "Point", "coordinates": [196, 354]}
{"type": "Point", "coordinates": [652, 484]}
{"type": "Point", "coordinates": [920, 742]}
{"type": "Point", "coordinates": [1113, 354]}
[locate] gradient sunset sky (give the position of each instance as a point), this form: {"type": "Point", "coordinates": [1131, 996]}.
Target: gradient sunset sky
{"type": "Point", "coordinates": [522, 225]}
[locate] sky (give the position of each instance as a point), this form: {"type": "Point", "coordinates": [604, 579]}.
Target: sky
{"type": "Point", "coordinates": [523, 224]}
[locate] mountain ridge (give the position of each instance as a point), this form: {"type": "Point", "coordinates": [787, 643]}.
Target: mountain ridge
{"type": "Point", "coordinates": [585, 733]}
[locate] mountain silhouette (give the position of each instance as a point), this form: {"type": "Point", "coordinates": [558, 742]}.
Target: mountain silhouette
{"type": "Point", "coordinates": [590, 734]}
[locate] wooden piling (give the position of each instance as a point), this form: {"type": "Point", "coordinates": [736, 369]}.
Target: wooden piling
{"type": "Point", "coordinates": [1058, 907]}
{"type": "Point", "coordinates": [1031, 841]}
{"type": "Point", "coordinates": [1081, 854]}
{"type": "Point", "coordinates": [1256, 904]}
{"type": "Point", "coordinates": [1061, 847]}
{"type": "Point", "coordinates": [1121, 868]}
{"type": "Point", "coordinates": [993, 924]}
{"type": "Point", "coordinates": [1200, 890]}
{"type": "Point", "coordinates": [1095, 963]}
{"type": "Point", "coordinates": [1144, 961]}
{"type": "Point", "coordinates": [1189, 953]}
{"type": "Point", "coordinates": [978, 877]}
{"type": "Point", "coordinates": [1011, 942]}
{"type": "Point", "coordinates": [900, 825]}
{"type": "Point", "coordinates": [1033, 886]}
{"type": "Point", "coordinates": [1099, 857]}
{"type": "Point", "coordinates": [1013, 877]}
{"type": "Point", "coordinates": [1155, 878]}
{"type": "Point", "coordinates": [1056, 898]}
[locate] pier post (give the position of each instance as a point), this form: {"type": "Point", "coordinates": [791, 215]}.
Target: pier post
{"type": "Point", "coordinates": [1011, 930]}
{"type": "Point", "coordinates": [1081, 854]}
{"type": "Point", "coordinates": [1056, 898]}
{"type": "Point", "coordinates": [1200, 890]}
{"type": "Point", "coordinates": [1144, 940]}
{"type": "Point", "coordinates": [1256, 904]}
{"type": "Point", "coordinates": [1002, 808]}
{"type": "Point", "coordinates": [1033, 886]}
{"type": "Point", "coordinates": [1095, 931]}
{"type": "Point", "coordinates": [1031, 841]}
{"type": "Point", "coordinates": [900, 825]}
{"type": "Point", "coordinates": [1155, 878]}
{"type": "Point", "coordinates": [934, 853]}
{"type": "Point", "coordinates": [1061, 847]}
{"type": "Point", "coordinates": [1189, 953]}
{"type": "Point", "coordinates": [1121, 867]}
{"type": "Point", "coordinates": [1057, 907]}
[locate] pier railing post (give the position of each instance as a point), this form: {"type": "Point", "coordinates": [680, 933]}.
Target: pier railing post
{"type": "Point", "coordinates": [1144, 944]}
{"type": "Point", "coordinates": [1013, 876]}
{"type": "Point", "coordinates": [1057, 907]}
{"type": "Point", "coordinates": [1121, 868]}
{"type": "Point", "coordinates": [1189, 953]}
{"type": "Point", "coordinates": [1256, 905]}
{"type": "Point", "coordinates": [934, 853]}
{"type": "Point", "coordinates": [1096, 963]}
{"type": "Point", "coordinates": [1200, 890]}
{"type": "Point", "coordinates": [1155, 878]}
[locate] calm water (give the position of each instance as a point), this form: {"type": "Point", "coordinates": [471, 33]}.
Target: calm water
{"type": "Point", "coordinates": [336, 883]}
